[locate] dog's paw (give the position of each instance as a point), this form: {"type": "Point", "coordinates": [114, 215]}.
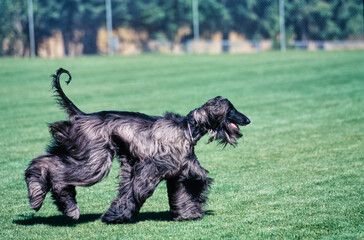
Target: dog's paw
{"type": "Point", "coordinates": [73, 212]}
{"type": "Point", "coordinates": [36, 195]}
{"type": "Point", "coordinates": [188, 216]}
{"type": "Point", "coordinates": [114, 218]}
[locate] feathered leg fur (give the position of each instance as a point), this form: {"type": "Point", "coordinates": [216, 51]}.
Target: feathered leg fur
{"type": "Point", "coordinates": [188, 192]}
{"type": "Point", "coordinates": [138, 183]}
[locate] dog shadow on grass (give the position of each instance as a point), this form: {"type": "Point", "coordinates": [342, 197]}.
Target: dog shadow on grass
{"type": "Point", "coordinates": [55, 221]}
{"type": "Point", "coordinates": [63, 221]}
{"type": "Point", "coordinates": [164, 216]}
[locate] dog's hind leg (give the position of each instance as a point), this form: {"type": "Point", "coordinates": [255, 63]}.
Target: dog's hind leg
{"type": "Point", "coordinates": [188, 192]}
{"type": "Point", "coordinates": [37, 179]}
{"type": "Point", "coordinates": [64, 197]}
{"type": "Point", "coordinates": [41, 176]}
{"type": "Point", "coordinates": [138, 183]}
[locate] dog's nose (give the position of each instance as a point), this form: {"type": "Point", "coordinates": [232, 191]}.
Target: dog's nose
{"type": "Point", "coordinates": [247, 121]}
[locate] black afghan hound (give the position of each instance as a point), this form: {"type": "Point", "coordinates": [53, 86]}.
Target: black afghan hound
{"type": "Point", "coordinates": [149, 148]}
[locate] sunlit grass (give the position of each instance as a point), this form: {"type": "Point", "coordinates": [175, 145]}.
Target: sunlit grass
{"type": "Point", "coordinates": [297, 173]}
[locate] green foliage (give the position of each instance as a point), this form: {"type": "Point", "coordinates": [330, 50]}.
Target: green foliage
{"type": "Point", "coordinates": [305, 19]}
{"type": "Point", "coordinates": [255, 19]}
{"type": "Point", "coordinates": [13, 19]}
{"type": "Point", "coordinates": [297, 173]}
{"type": "Point", "coordinates": [325, 19]}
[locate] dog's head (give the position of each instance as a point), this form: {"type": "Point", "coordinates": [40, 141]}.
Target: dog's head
{"type": "Point", "coordinates": [221, 119]}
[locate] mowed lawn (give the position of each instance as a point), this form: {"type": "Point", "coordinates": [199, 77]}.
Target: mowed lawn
{"type": "Point", "coordinates": [297, 173]}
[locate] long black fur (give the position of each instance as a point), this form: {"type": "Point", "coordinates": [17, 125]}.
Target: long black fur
{"type": "Point", "coordinates": [150, 149]}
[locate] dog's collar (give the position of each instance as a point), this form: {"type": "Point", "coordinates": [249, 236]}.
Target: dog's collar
{"type": "Point", "coordinates": [193, 140]}
{"type": "Point", "coordinates": [190, 134]}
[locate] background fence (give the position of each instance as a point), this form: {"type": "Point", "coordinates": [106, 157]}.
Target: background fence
{"type": "Point", "coordinates": [77, 27]}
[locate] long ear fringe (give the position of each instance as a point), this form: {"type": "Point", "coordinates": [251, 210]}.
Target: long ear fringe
{"type": "Point", "coordinates": [200, 116]}
{"type": "Point", "coordinates": [222, 138]}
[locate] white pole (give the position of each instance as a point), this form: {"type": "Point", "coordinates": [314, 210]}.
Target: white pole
{"type": "Point", "coordinates": [31, 28]}
{"type": "Point", "coordinates": [282, 25]}
{"type": "Point", "coordinates": [196, 30]}
{"type": "Point", "coordinates": [109, 25]}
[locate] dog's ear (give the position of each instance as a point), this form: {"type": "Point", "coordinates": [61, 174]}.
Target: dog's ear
{"type": "Point", "coordinates": [200, 116]}
{"type": "Point", "coordinates": [212, 113]}
{"type": "Point", "coordinates": [216, 109]}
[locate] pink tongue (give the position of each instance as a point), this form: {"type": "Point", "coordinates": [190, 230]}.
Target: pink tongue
{"type": "Point", "coordinates": [233, 125]}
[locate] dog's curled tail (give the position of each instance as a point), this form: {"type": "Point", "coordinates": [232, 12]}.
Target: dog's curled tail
{"type": "Point", "coordinates": [61, 98]}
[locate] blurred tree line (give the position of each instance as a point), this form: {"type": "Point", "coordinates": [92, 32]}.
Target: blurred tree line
{"type": "Point", "coordinates": [254, 19]}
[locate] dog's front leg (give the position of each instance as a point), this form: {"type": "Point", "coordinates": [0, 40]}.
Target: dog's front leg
{"type": "Point", "coordinates": [138, 183]}
{"type": "Point", "coordinates": [187, 192]}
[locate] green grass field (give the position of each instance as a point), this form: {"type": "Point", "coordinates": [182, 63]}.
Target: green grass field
{"type": "Point", "coordinates": [297, 173]}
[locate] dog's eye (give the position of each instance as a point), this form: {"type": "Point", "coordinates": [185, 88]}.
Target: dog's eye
{"type": "Point", "coordinates": [232, 113]}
